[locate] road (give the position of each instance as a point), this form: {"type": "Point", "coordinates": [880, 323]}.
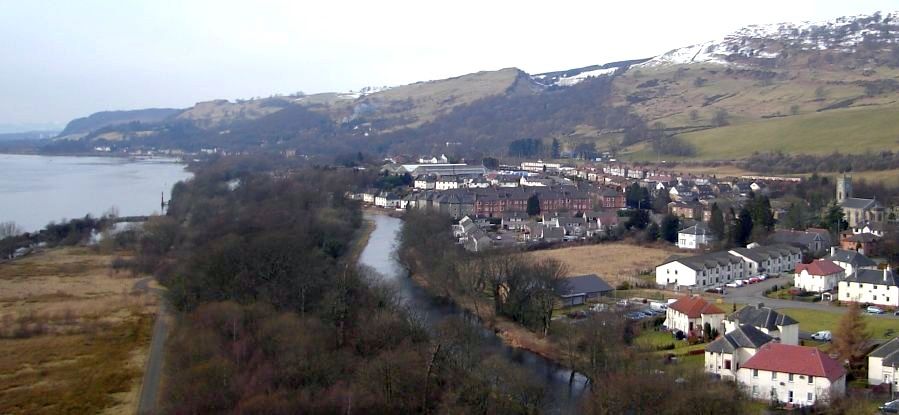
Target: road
{"type": "Point", "coordinates": [149, 391]}
{"type": "Point", "coordinates": [755, 293]}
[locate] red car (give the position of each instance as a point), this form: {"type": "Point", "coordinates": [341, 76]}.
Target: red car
{"type": "Point", "coordinates": [754, 280]}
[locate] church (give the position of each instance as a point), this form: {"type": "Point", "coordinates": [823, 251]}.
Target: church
{"type": "Point", "coordinates": [858, 211]}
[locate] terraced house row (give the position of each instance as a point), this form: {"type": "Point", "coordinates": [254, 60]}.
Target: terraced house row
{"type": "Point", "coordinates": [717, 268]}
{"type": "Point", "coordinates": [493, 202]}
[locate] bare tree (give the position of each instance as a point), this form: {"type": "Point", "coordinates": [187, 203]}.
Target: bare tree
{"type": "Point", "coordinates": [9, 228]}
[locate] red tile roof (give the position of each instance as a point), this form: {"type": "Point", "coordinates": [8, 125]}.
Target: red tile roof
{"type": "Point", "coordinates": [820, 267]}
{"type": "Point", "coordinates": [694, 307]}
{"type": "Point", "coordinates": [777, 357]}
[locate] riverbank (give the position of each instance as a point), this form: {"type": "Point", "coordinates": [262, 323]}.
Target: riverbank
{"type": "Point", "coordinates": [511, 333]}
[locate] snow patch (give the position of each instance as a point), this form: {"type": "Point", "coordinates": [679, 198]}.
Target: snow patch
{"type": "Point", "coordinates": [572, 80]}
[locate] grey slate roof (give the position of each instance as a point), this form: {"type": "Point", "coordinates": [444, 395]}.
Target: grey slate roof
{"type": "Point", "coordinates": [759, 316]}
{"type": "Point", "coordinates": [762, 253]}
{"type": "Point", "coordinates": [873, 276]}
{"type": "Point", "coordinates": [859, 203]}
{"type": "Point", "coordinates": [583, 284]}
{"type": "Point", "coordinates": [744, 336]}
{"type": "Point", "coordinates": [889, 351]}
{"type": "Point", "coordinates": [795, 237]}
{"type": "Point", "coordinates": [704, 261]}
{"type": "Point", "coordinates": [851, 257]}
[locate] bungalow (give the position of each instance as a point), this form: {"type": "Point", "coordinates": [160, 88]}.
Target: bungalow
{"type": "Point", "coordinates": [872, 286]}
{"type": "Point", "coordinates": [695, 237]}
{"type": "Point", "coordinates": [850, 260]}
{"type": "Point", "coordinates": [725, 355]}
{"type": "Point", "coordinates": [883, 363]}
{"type": "Point", "coordinates": [768, 321]}
{"type": "Point", "coordinates": [578, 290]}
{"type": "Point", "coordinates": [794, 375]}
{"type": "Point", "coordinates": [690, 315]}
{"type": "Point", "coordinates": [819, 276]}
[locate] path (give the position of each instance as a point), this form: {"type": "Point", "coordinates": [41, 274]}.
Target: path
{"type": "Point", "coordinates": [149, 391]}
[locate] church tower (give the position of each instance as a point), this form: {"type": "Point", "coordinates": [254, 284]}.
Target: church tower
{"type": "Point", "coordinates": [844, 188]}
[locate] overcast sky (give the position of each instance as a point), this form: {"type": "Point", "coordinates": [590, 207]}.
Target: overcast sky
{"type": "Point", "coordinates": [66, 59]}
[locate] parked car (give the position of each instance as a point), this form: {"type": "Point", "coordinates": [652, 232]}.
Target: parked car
{"type": "Point", "coordinates": [763, 277]}
{"type": "Point", "coordinates": [715, 290]}
{"type": "Point", "coordinates": [754, 280]}
{"type": "Point", "coordinates": [732, 284]}
{"type": "Point", "coordinates": [822, 336]}
{"type": "Point", "coordinates": [744, 282]}
{"type": "Point", "coordinates": [890, 407]}
{"type": "Point", "coordinates": [874, 310]}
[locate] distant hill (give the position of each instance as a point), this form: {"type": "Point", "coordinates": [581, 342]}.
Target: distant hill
{"type": "Point", "coordinates": [99, 120]}
{"type": "Point", "coordinates": [811, 88]}
{"type": "Point", "coordinates": [28, 135]}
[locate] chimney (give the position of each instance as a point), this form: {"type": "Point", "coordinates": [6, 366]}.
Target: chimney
{"type": "Point", "coordinates": [833, 250]}
{"type": "Point", "coordinates": [885, 272]}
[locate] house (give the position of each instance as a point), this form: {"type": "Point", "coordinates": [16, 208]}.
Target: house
{"type": "Point", "coordinates": [850, 260]}
{"type": "Point", "coordinates": [580, 289]}
{"type": "Point", "coordinates": [681, 194]}
{"type": "Point", "coordinates": [811, 240]}
{"type": "Point", "coordinates": [768, 321]}
{"type": "Point", "coordinates": [695, 237]}
{"type": "Point", "coordinates": [387, 200]}
{"type": "Point", "coordinates": [793, 375]}
{"type": "Point", "coordinates": [725, 355]}
{"type": "Point", "coordinates": [871, 286]}
{"type": "Point", "coordinates": [863, 243]}
{"type": "Point", "coordinates": [876, 228]}
{"type": "Point", "coordinates": [477, 241]}
{"type": "Point", "coordinates": [819, 276]}
{"type": "Point", "coordinates": [611, 199]}
{"type": "Point", "coordinates": [858, 211]}
{"type": "Point", "coordinates": [883, 365]}
{"type": "Point", "coordinates": [714, 268]}
{"type": "Point", "coordinates": [690, 315]}
{"type": "Point", "coordinates": [686, 210]}
{"type": "Point", "coordinates": [514, 221]}
{"type": "Point", "coordinates": [770, 259]}
{"type": "Point", "coordinates": [540, 166]}
{"type": "Point", "coordinates": [425, 182]}
{"type": "Point", "coordinates": [446, 183]}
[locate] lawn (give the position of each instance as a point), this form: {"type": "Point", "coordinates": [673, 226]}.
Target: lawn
{"type": "Point", "coordinates": [813, 320]}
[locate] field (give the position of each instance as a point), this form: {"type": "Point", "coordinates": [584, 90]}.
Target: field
{"type": "Point", "coordinates": [812, 321]}
{"type": "Point", "coordinates": [73, 336]}
{"type": "Point", "coordinates": [614, 262]}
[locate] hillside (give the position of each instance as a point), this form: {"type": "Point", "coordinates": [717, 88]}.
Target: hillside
{"type": "Point", "coordinates": [792, 87]}
{"type": "Point", "coordinates": [108, 118]}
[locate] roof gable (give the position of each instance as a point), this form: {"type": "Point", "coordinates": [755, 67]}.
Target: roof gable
{"type": "Point", "coordinates": [694, 307]}
{"type": "Point", "coordinates": [761, 316]}
{"type": "Point", "coordinates": [820, 267]}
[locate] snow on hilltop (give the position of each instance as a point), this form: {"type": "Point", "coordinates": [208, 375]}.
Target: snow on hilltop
{"type": "Point", "coordinates": [768, 41]}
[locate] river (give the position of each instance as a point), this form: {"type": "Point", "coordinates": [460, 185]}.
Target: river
{"type": "Point", "coordinates": [35, 190]}
{"type": "Point", "coordinates": [379, 254]}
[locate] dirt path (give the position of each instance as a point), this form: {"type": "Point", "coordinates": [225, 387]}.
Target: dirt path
{"type": "Point", "coordinates": [149, 391]}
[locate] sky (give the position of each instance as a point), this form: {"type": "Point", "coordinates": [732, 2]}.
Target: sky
{"type": "Point", "coordinates": [65, 59]}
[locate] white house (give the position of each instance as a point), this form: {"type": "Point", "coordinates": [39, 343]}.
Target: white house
{"type": "Point", "coordinates": [766, 320]}
{"type": "Point", "coordinates": [769, 259]}
{"type": "Point", "coordinates": [883, 364]}
{"type": "Point", "coordinates": [387, 200]}
{"type": "Point", "coordinates": [850, 260]}
{"type": "Point", "coordinates": [793, 375]}
{"type": "Point", "coordinates": [425, 183]}
{"type": "Point", "coordinates": [540, 166]}
{"type": "Point", "coordinates": [714, 268]}
{"type": "Point", "coordinates": [514, 221]}
{"type": "Point", "coordinates": [695, 237]}
{"type": "Point", "coordinates": [874, 228]}
{"type": "Point", "coordinates": [690, 315]}
{"type": "Point", "coordinates": [819, 276]}
{"type": "Point", "coordinates": [725, 355]}
{"type": "Point", "coordinates": [446, 183]}
{"type": "Point", "coordinates": [369, 196]}
{"type": "Point", "coordinates": [872, 286]}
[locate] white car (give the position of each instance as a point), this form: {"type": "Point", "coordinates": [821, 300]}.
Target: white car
{"type": "Point", "coordinates": [763, 277]}
{"type": "Point", "coordinates": [822, 336]}
{"type": "Point", "coordinates": [732, 285]}
{"type": "Point", "coordinates": [874, 310]}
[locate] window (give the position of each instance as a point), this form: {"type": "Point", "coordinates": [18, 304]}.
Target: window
{"type": "Point", "coordinates": [811, 397]}
{"type": "Point", "coordinates": [755, 373]}
{"type": "Point", "coordinates": [773, 375]}
{"type": "Point", "coordinates": [727, 364]}
{"type": "Point", "coordinates": [811, 379]}
{"type": "Point", "coordinates": [790, 377]}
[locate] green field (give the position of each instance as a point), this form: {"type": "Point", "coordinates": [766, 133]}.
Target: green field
{"type": "Point", "coordinates": [813, 320]}
{"type": "Point", "coordinates": [852, 130]}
